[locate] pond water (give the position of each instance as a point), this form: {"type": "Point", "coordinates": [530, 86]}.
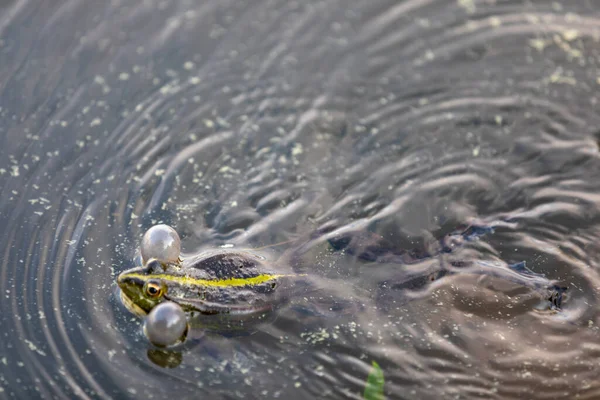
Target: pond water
{"type": "Point", "coordinates": [255, 124]}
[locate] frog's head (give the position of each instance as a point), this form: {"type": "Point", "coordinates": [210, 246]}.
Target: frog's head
{"type": "Point", "coordinates": [142, 287]}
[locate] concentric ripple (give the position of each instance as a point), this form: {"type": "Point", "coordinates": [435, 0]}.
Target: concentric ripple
{"type": "Point", "coordinates": [280, 126]}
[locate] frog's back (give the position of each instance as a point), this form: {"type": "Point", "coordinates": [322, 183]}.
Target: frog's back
{"type": "Point", "coordinates": [224, 265]}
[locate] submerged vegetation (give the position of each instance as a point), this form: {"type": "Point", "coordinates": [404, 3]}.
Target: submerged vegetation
{"type": "Point", "coordinates": [374, 386]}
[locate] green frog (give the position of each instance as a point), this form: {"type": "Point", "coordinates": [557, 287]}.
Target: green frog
{"type": "Point", "coordinates": [236, 284]}
{"type": "Point", "coordinates": [217, 282]}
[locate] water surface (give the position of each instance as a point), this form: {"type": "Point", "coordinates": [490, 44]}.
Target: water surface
{"type": "Point", "coordinates": [259, 123]}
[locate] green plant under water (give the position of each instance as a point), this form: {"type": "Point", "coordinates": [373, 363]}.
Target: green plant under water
{"type": "Point", "coordinates": [374, 386]}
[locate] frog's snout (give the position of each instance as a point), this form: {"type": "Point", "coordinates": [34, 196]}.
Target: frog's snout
{"type": "Point", "coordinates": [124, 278]}
{"type": "Point", "coordinates": [121, 280]}
{"type": "Point", "coordinates": [131, 277]}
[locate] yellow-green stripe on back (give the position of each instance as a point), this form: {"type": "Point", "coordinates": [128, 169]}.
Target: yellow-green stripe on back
{"type": "Point", "coordinates": [231, 282]}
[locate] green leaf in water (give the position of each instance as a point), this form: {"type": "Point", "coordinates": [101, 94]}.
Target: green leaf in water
{"type": "Point", "coordinates": [374, 387]}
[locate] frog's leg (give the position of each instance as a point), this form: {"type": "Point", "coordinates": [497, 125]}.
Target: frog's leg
{"type": "Point", "coordinates": [556, 296]}
{"type": "Point", "coordinates": [556, 292]}
{"type": "Point", "coordinates": [211, 308]}
{"type": "Point", "coordinates": [518, 273]}
{"type": "Point", "coordinates": [369, 246]}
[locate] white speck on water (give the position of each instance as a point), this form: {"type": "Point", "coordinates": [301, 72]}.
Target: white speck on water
{"type": "Point", "coordinates": [169, 88]}
{"type": "Point", "coordinates": [33, 347]}
{"type": "Point", "coordinates": [316, 337]}
{"type": "Point", "coordinates": [262, 151]}
{"type": "Point", "coordinates": [123, 76]}
{"type": "Point", "coordinates": [558, 76]}
{"type": "Point", "coordinates": [468, 5]}
{"type": "Point", "coordinates": [538, 44]}
{"type": "Point", "coordinates": [194, 80]}
{"type": "Point", "coordinates": [570, 35]}
{"type": "Point", "coordinates": [297, 149]}
{"type": "Point", "coordinates": [188, 65]}
{"type": "Point", "coordinates": [495, 22]}
{"type": "Point", "coordinates": [95, 122]}
{"type": "Point", "coordinates": [226, 169]}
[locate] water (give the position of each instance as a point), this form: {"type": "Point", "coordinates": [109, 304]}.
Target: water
{"type": "Point", "coordinates": [258, 123]}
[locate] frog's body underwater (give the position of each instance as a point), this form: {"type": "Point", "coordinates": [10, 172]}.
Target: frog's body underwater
{"type": "Point", "coordinates": [239, 283]}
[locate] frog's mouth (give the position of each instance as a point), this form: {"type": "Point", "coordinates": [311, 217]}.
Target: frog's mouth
{"type": "Point", "coordinates": [130, 292]}
{"type": "Point", "coordinates": [131, 306]}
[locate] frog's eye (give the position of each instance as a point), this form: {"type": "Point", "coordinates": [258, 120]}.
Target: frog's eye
{"type": "Point", "coordinates": [153, 288]}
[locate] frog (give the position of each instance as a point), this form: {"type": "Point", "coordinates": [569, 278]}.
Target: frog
{"type": "Point", "coordinates": [240, 283]}
{"type": "Point", "coordinates": [214, 282]}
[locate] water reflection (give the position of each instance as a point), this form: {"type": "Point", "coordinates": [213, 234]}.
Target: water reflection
{"type": "Point", "coordinates": [165, 358]}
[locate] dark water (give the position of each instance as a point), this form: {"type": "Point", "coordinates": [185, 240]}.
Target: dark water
{"type": "Point", "coordinates": [258, 122]}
